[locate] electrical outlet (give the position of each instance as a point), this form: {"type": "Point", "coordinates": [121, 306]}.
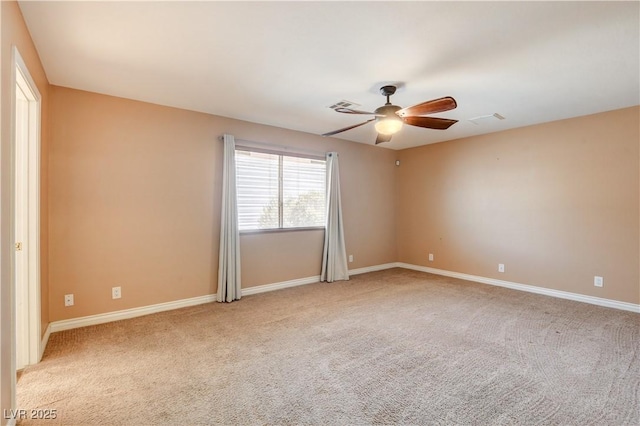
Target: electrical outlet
{"type": "Point", "coordinates": [116, 293]}
{"type": "Point", "coordinates": [68, 300]}
{"type": "Point", "coordinates": [500, 267]}
{"type": "Point", "coordinates": [350, 258]}
{"type": "Point", "coordinates": [598, 281]}
{"type": "Point", "coordinates": [430, 257]}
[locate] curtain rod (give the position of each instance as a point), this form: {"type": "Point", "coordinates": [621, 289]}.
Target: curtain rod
{"type": "Point", "coordinates": [291, 149]}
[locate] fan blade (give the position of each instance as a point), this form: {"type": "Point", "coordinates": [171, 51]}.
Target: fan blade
{"type": "Point", "coordinates": [335, 132]}
{"type": "Point", "coordinates": [430, 122]}
{"type": "Point", "coordinates": [382, 138]}
{"type": "Point", "coordinates": [430, 107]}
{"type": "Point", "coordinates": [355, 111]}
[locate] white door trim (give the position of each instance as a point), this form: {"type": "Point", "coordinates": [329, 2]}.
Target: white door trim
{"type": "Point", "coordinates": [31, 246]}
{"type": "Point", "coordinates": [21, 231]}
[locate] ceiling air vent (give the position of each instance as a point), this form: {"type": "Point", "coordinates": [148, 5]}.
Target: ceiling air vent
{"type": "Point", "coordinates": [344, 104]}
{"type": "Point", "coordinates": [486, 118]}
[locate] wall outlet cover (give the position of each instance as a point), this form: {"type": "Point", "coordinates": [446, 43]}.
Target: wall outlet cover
{"type": "Point", "coordinates": [116, 292]}
{"type": "Point", "coordinates": [68, 300]}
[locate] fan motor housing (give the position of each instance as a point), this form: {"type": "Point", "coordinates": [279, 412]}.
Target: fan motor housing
{"type": "Point", "coordinates": [387, 110]}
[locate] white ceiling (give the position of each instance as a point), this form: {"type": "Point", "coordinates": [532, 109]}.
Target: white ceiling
{"type": "Point", "coordinates": [284, 63]}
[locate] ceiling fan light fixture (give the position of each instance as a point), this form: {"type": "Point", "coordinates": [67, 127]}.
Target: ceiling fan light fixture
{"type": "Point", "coordinates": [388, 125]}
{"type": "Point", "coordinates": [389, 118]}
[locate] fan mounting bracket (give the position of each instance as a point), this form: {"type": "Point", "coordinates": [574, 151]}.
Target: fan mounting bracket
{"type": "Point", "coordinates": [388, 90]}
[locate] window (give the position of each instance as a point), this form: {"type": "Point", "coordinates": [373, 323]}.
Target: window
{"type": "Point", "coordinates": [278, 191]}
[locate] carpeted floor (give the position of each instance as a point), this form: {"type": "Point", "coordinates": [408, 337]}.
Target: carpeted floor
{"type": "Point", "coordinates": [389, 347]}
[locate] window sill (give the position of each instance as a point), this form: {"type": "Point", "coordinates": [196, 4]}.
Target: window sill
{"type": "Point", "coordinates": [272, 230]}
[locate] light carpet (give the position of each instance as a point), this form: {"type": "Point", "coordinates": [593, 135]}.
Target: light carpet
{"type": "Point", "coordinates": [389, 347]}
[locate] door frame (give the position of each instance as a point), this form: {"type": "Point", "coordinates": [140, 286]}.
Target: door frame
{"type": "Point", "coordinates": [21, 77]}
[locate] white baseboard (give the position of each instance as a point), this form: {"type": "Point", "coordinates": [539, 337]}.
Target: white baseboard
{"type": "Point", "coordinates": [372, 268]}
{"type": "Point", "coordinates": [277, 286]}
{"type": "Point", "coordinates": [625, 306]}
{"type": "Point", "coordinates": [146, 310]}
{"type": "Point", "coordinates": [129, 313]}
{"type": "Point", "coordinates": [44, 341]}
{"type": "Point", "coordinates": [311, 280]}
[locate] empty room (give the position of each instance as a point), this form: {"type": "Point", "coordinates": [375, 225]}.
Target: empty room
{"type": "Point", "coordinates": [323, 213]}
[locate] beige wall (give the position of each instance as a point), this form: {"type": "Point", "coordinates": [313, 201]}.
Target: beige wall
{"type": "Point", "coordinates": [134, 202]}
{"type": "Point", "coordinates": [14, 33]}
{"type": "Point", "coordinates": [557, 203]}
{"type": "Point", "coordinates": [135, 190]}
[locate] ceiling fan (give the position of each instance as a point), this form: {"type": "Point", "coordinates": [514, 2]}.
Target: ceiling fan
{"type": "Point", "coordinates": [389, 118]}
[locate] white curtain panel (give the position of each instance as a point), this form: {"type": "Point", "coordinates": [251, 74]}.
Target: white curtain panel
{"type": "Point", "coordinates": [334, 256]}
{"type": "Point", "coordinates": [229, 264]}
